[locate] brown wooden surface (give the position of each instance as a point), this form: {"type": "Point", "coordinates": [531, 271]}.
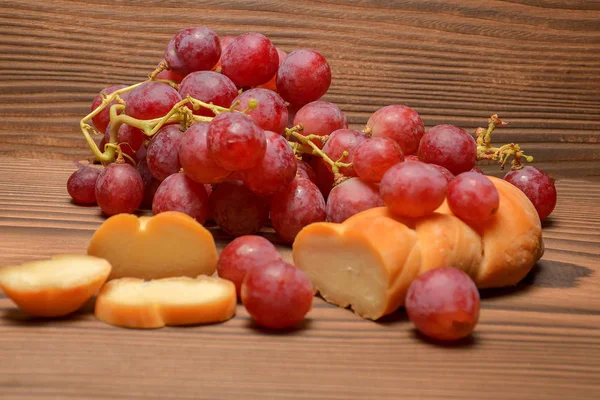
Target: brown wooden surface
{"type": "Point", "coordinates": [535, 62]}
{"type": "Point", "coordinates": [540, 340]}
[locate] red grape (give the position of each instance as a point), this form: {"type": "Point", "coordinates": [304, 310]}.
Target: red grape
{"type": "Point", "coordinates": [151, 100]}
{"type": "Point", "coordinates": [119, 189]}
{"type": "Point", "coordinates": [303, 76]}
{"type": "Point", "coordinates": [249, 60]}
{"type": "Point", "coordinates": [340, 141]}
{"type": "Point", "coordinates": [277, 295]}
{"type": "Point", "coordinates": [473, 198]}
{"type": "Point", "coordinates": [537, 186]}
{"type": "Point", "coordinates": [194, 158]}
{"type": "Point", "coordinates": [225, 41]}
{"type": "Point", "coordinates": [169, 75]}
{"type": "Point", "coordinates": [275, 171]}
{"type": "Point", "coordinates": [130, 139]}
{"type": "Point", "coordinates": [399, 123]}
{"type": "Point", "coordinates": [179, 193]}
{"type": "Point", "coordinates": [320, 118]}
{"type": "Point", "coordinates": [149, 181]}
{"type": "Point", "coordinates": [448, 146]}
{"type": "Point", "coordinates": [162, 153]}
{"type": "Point", "coordinates": [196, 48]}
{"type": "Point", "coordinates": [81, 185]}
{"type": "Point", "coordinates": [351, 197]}
{"type": "Point", "coordinates": [237, 210]}
{"type": "Point", "coordinates": [235, 142]}
{"type": "Point", "coordinates": [373, 157]}
{"type": "Point", "coordinates": [272, 83]}
{"type": "Point", "coordinates": [299, 204]}
{"type": "Point", "coordinates": [209, 87]}
{"type": "Point", "coordinates": [102, 119]}
{"type": "Point", "coordinates": [241, 255]}
{"type": "Point", "coordinates": [447, 174]}
{"type": "Point", "coordinates": [304, 170]}
{"type": "Point", "coordinates": [324, 175]}
{"type": "Point", "coordinates": [443, 303]}
{"type": "Point", "coordinates": [271, 113]}
{"type": "Point", "coordinates": [413, 189]}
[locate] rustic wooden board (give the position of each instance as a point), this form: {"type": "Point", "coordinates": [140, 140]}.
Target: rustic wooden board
{"type": "Point", "coordinates": [535, 62]}
{"type": "Point", "coordinates": [538, 340]}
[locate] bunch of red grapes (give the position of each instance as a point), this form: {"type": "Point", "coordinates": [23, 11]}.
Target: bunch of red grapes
{"type": "Point", "coordinates": [266, 150]}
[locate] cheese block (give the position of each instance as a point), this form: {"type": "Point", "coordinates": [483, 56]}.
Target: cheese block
{"type": "Point", "coordinates": [168, 244]}
{"type": "Point", "coordinates": [368, 261]}
{"type": "Point", "coordinates": [135, 303]}
{"type": "Point", "coordinates": [55, 287]}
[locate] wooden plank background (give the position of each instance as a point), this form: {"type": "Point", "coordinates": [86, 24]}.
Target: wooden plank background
{"type": "Point", "coordinates": [535, 62]}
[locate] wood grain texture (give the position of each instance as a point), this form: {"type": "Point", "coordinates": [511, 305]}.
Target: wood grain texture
{"type": "Point", "coordinates": [535, 62]}
{"type": "Point", "coordinates": [538, 340]}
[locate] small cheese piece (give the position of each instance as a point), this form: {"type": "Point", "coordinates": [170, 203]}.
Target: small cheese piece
{"type": "Point", "coordinates": [55, 287]}
{"type": "Point", "coordinates": [168, 244]}
{"type": "Point", "coordinates": [135, 303]}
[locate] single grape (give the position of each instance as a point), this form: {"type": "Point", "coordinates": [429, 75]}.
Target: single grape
{"type": "Point", "coordinates": [196, 48]}
{"type": "Point", "coordinates": [473, 198]}
{"type": "Point", "coordinates": [237, 210]}
{"type": "Point", "coordinates": [162, 153]}
{"type": "Point", "coordinates": [320, 118]}
{"type": "Point", "coordinates": [243, 254]}
{"type": "Point", "coordinates": [340, 141]}
{"type": "Point", "coordinates": [81, 185]}
{"type": "Point", "coordinates": [275, 171]}
{"type": "Point", "coordinates": [443, 303]}
{"type": "Point", "coordinates": [235, 142]}
{"type": "Point", "coordinates": [373, 157]}
{"type": "Point", "coordinates": [272, 83]}
{"type": "Point", "coordinates": [271, 113]}
{"type": "Point", "coordinates": [537, 186]}
{"type": "Point", "coordinates": [448, 146]}
{"type": "Point", "coordinates": [169, 75]}
{"type": "Point", "coordinates": [209, 87]}
{"type": "Point", "coordinates": [130, 139]}
{"type": "Point", "coordinates": [299, 204]}
{"type": "Point", "coordinates": [304, 170]}
{"type": "Point", "coordinates": [250, 59]}
{"type": "Point", "coordinates": [400, 123]}
{"type": "Point", "coordinates": [303, 76]}
{"type": "Point", "coordinates": [447, 174]}
{"type": "Point", "coordinates": [351, 197]}
{"type": "Point", "coordinates": [194, 158]}
{"type": "Point", "coordinates": [151, 100]}
{"type": "Point", "coordinates": [324, 175]}
{"type": "Point", "coordinates": [149, 181]}
{"type": "Point", "coordinates": [225, 41]}
{"type": "Point", "coordinates": [277, 295]}
{"type": "Point", "coordinates": [102, 119]}
{"type": "Point", "coordinates": [413, 189]}
{"type": "Point", "coordinates": [119, 189]}
{"type": "Point", "coordinates": [179, 193]}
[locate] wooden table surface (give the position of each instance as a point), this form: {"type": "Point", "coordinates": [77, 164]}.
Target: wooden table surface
{"type": "Point", "coordinates": [535, 62]}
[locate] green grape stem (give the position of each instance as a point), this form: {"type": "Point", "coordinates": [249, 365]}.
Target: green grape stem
{"type": "Point", "coordinates": [485, 150]}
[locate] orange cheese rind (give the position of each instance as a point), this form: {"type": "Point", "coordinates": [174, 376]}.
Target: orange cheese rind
{"type": "Point", "coordinates": [54, 287]}
{"type": "Point", "coordinates": [368, 261]}
{"type": "Point", "coordinates": [168, 244]}
{"type": "Point", "coordinates": [136, 303]}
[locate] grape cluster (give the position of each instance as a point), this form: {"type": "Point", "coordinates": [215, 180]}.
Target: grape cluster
{"type": "Point", "coordinates": [233, 130]}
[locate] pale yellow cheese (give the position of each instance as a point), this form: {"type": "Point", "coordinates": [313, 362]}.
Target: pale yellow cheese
{"type": "Point", "coordinates": [168, 244]}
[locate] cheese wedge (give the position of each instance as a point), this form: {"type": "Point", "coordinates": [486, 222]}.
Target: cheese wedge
{"type": "Point", "coordinates": [55, 287]}
{"type": "Point", "coordinates": [135, 303]}
{"type": "Point", "coordinates": [168, 244]}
